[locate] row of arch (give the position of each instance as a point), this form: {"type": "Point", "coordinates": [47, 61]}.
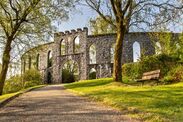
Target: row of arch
{"type": "Point", "coordinates": [92, 53]}
{"type": "Point", "coordinates": [36, 63]}
{"type": "Point", "coordinates": [136, 52]}
{"type": "Point", "coordinates": [76, 45]}
{"type": "Point", "coordinates": [29, 62]}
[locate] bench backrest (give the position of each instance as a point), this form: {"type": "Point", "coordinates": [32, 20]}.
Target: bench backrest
{"type": "Point", "coordinates": [151, 75]}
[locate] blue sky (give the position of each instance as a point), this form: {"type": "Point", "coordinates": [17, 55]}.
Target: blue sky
{"type": "Point", "coordinates": [80, 17]}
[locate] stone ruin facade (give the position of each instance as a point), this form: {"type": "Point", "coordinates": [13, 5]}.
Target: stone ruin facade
{"type": "Point", "coordinates": [50, 58]}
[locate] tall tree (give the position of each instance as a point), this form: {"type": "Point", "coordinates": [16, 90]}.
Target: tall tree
{"type": "Point", "coordinates": [24, 23]}
{"type": "Point", "coordinates": [135, 14]}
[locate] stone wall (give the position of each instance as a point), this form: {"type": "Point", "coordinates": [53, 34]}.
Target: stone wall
{"type": "Point", "coordinates": [102, 43]}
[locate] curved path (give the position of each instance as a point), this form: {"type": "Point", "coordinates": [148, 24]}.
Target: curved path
{"type": "Point", "coordinates": [54, 104]}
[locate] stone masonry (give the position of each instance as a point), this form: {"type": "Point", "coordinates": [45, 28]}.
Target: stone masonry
{"type": "Point", "coordinates": [39, 57]}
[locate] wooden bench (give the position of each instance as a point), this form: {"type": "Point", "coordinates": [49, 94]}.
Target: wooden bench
{"type": "Point", "coordinates": [152, 75]}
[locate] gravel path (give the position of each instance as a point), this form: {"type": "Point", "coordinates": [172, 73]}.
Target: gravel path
{"type": "Point", "coordinates": [54, 104]}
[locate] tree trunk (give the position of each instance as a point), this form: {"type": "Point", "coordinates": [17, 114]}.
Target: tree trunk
{"type": "Point", "coordinates": [117, 68]}
{"type": "Point", "coordinates": [5, 63]}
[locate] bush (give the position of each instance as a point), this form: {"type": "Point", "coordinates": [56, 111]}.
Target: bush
{"type": "Point", "coordinates": [92, 75]}
{"type": "Point", "coordinates": [175, 75]}
{"type": "Point", "coordinates": [32, 83]}
{"type": "Point", "coordinates": [163, 62]}
{"type": "Point", "coordinates": [31, 75]}
{"type": "Point", "coordinates": [13, 84]}
{"type": "Point", "coordinates": [31, 78]}
{"type": "Point", "coordinates": [126, 79]}
{"type": "Point", "coordinates": [67, 77]}
{"type": "Point", "coordinates": [131, 70]}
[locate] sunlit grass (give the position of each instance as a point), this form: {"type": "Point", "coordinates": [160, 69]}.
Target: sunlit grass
{"type": "Point", "coordinates": [6, 96]}
{"type": "Point", "coordinates": [149, 103]}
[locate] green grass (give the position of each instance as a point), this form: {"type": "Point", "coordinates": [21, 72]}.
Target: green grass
{"type": "Point", "coordinates": [147, 103]}
{"type": "Point", "coordinates": [6, 96]}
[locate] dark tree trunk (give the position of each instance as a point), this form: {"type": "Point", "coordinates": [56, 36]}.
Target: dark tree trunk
{"type": "Point", "coordinates": [5, 63]}
{"type": "Point", "coordinates": [117, 68]}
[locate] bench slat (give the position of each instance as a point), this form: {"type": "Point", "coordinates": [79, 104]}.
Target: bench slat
{"type": "Point", "coordinates": [152, 75]}
{"type": "Point", "coordinates": [155, 76]}
{"type": "Point", "coordinates": [151, 72]}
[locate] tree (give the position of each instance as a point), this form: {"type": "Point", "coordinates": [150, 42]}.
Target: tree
{"type": "Point", "coordinates": [100, 26]}
{"type": "Point", "coordinates": [0, 67]}
{"type": "Point", "coordinates": [134, 14]}
{"type": "Point", "coordinates": [23, 23]}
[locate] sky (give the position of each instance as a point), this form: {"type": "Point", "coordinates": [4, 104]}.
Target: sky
{"type": "Point", "coordinates": [78, 18]}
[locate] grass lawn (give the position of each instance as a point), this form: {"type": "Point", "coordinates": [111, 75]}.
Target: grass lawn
{"type": "Point", "coordinates": [6, 96]}
{"type": "Point", "coordinates": [147, 103]}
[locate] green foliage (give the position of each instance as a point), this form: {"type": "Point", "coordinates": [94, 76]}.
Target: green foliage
{"type": "Point", "coordinates": [32, 75]}
{"type": "Point", "coordinates": [13, 84]}
{"type": "Point", "coordinates": [70, 72]}
{"type": "Point", "coordinates": [131, 70]}
{"type": "Point", "coordinates": [163, 62]}
{"type": "Point", "coordinates": [92, 75]}
{"type": "Point", "coordinates": [100, 26]}
{"type": "Point", "coordinates": [175, 75]}
{"type": "Point", "coordinates": [0, 67]}
{"type": "Point", "coordinates": [179, 49]}
{"type": "Point", "coordinates": [67, 76]}
{"type": "Point", "coordinates": [32, 83]}
{"type": "Point", "coordinates": [168, 79]}
{"type": "Point", "coordinates": [126, 79]}
{"type": "Point", "coordinates": [31, 78]}
{"type": "Point", "coordinates": [145, 103]}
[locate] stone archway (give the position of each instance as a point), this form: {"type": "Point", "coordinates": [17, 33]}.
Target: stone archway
{"type": "Point", "coordinates": [69, 71]}
{"type": "Point", "coordinates": [49, 77]}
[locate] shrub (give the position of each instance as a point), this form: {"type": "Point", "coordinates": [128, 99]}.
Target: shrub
{"type": "Point", "coordinates": [131, 70]}
{"type": "Point", "coordinates": [163, 62]}
{"type": "Point", "coordinates": [67, 77]}
{"type": "Point", "coordinates": [168, 79]}
{"type": "Point", "coordinates": [31, 78]}
{"type": "Point", "coordinates": [32, 83]}
{"type": "Point", "coordinates": [13, 84]}
{"type": "Point", "coordinates": [92, 75]}
{"type": "Point", "coordinates": [126, 79]}
{"type": "Point", "coordinates": [175, 75]}
{"type": "Point", "coordinates": [31, 75]}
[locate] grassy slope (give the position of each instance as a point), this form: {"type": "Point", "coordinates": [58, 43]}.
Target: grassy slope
{"type": "Point", "coordinates": [149, 103]}
{"type": "Point", "coordinates": [6, 96]}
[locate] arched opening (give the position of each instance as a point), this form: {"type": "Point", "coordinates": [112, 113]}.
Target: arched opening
{"type": "Point", "coordinates": [76, 46]}
{"type": "Point", "coordinates": [30, 62]}
{"type": "Point", "coordinates": [158, 48]}
{"type": "Point", "coordinates": [92, 74]}
{"type": "Point", "coordinates": [49, 59]}
{"type": "Point", "coordinates": [62, 47]}
{"type": "Point", "coordinates": [136, 51]}
{"type": "Point", "coordinates": [37, 61]}
{"type": "Point", "coordinates": [92, 54]}
{"type": "Point", "coordinates": [70, 72]}
{"type": "Point", "coordinates": [112, 49]}
{"type": "Point", "coordinates": [49, 78]}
